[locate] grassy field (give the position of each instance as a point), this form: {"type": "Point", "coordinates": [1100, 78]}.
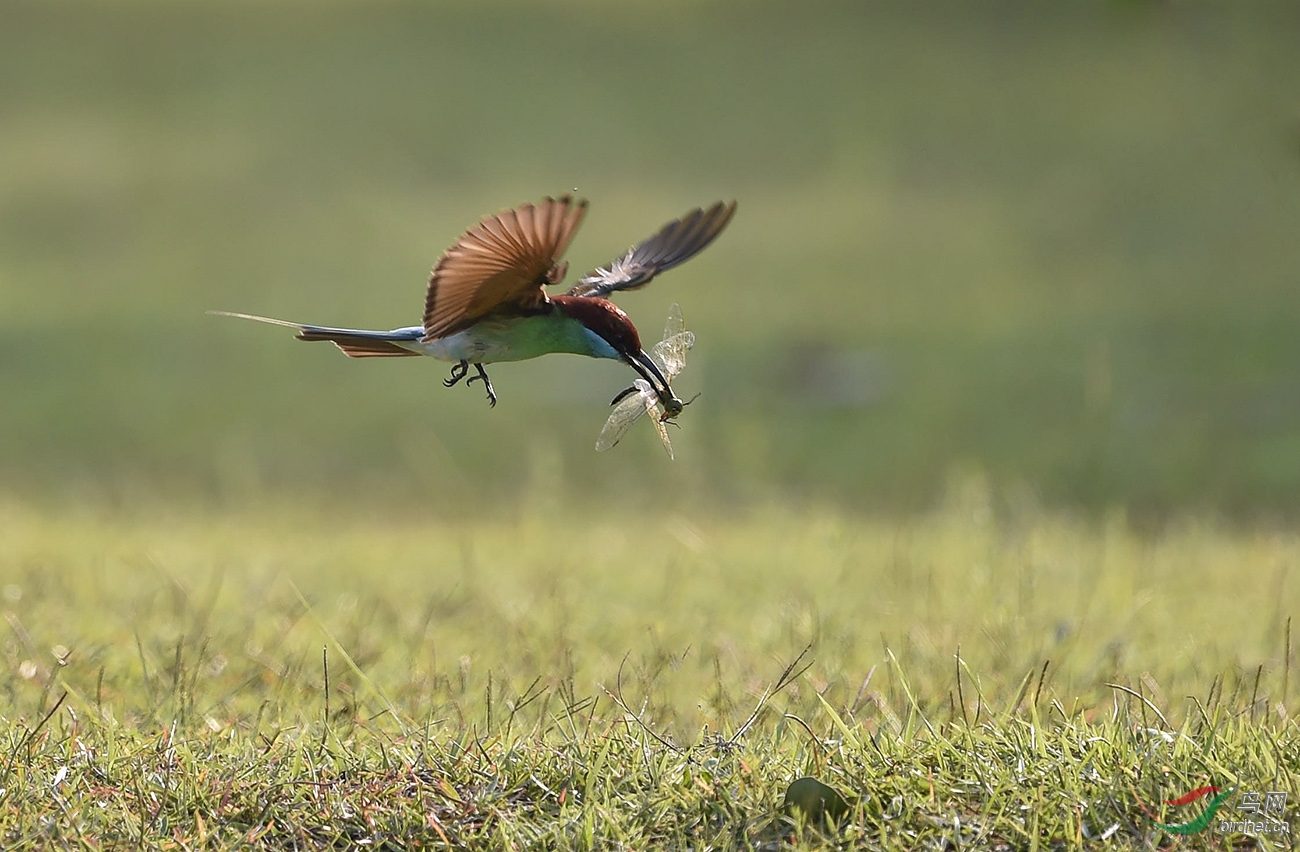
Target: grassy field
{"type": "Point", "coordinates": [985, 516]}
{"type": "Point", "coordinates": [976, 677]}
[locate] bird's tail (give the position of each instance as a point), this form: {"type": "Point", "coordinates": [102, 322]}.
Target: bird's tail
{"type": "Point", "coordinates": [354, 342]}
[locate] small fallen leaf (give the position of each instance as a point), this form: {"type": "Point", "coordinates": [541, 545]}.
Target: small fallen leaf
{"type": "Point", "coordinates": [815, 800]}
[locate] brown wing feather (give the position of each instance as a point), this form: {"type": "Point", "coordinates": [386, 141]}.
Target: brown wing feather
{"type": "Point", "coordinates": [500, 263]}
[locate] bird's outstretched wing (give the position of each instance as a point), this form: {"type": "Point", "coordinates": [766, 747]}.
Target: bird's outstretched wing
{"type": "Point", "coordinates": [504, 260]}
{"type": "Point", "coordinates": [676, 242]}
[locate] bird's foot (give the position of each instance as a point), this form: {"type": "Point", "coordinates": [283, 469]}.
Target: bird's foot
{"type": "Point", "coordinates": [458, 372]}
{"type": "Point", "coordinates": [487, 383]}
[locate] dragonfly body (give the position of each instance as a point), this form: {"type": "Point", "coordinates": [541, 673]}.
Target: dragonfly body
{"type": "Point", "coordinates": [486, 301]}
{"type": "Point", "coordinates": [669, 355]}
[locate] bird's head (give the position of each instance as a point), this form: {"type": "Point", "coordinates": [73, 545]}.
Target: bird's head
{"type": "Point", "coordinates": [607, 321]}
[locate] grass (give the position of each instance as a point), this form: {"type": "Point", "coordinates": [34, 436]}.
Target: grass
{"type": "Point", "coordinates": [258, 596]}
{"type": "Point", "coordinates": [982, 676]}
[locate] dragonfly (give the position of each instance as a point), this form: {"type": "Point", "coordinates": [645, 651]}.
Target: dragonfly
{"type": "Point", "coordinates": [670, 356]}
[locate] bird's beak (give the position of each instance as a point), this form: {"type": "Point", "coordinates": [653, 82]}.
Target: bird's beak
{"type": "Point", "coordinates": [650, 371]}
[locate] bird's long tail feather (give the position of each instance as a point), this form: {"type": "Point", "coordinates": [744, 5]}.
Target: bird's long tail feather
{"type": "Point", "coordinates": [354, 342]}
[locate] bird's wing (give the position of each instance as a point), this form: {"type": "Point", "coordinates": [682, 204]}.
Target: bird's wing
{"type": "Point", "coordinates": [504, 260]}
{"type": "Point", "coordinates": [676, 242]}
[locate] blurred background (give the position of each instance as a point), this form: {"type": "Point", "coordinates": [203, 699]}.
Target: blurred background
{"type": "Point", "coordinates": [1056, 244]}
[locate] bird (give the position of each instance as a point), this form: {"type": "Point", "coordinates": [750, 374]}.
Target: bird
{"type": "Point", "coordinates": [486, 300]}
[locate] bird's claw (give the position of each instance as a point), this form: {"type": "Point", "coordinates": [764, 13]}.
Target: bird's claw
{"type": "Point", "coordinates": [458, 372]}
{"type": "Point", "coordinates": [487, 383]}
{"type": "Point", "coordinates": [461, 370]}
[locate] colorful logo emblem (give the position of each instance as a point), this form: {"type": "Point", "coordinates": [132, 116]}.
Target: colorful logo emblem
{"type": "Point", "coordinates": [1206, 816]}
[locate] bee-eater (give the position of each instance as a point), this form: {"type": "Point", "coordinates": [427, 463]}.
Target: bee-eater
{"type": "Point", "coordinates": [487, 299]}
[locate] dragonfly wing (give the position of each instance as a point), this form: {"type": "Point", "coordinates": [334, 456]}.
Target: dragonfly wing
{"type": "Point", "coordinates": [656, 411]}
{"type": "Point", "coordinates": [669, 356]}
{"type": "Point", "coordinates": [627, 412]}
{"type": "Point", "coordinates": [675, 324]}
{"type": "Point", "coordinates": [670, 353]}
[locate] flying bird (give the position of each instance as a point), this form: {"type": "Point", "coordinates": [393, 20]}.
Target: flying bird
{"type": "Point", "coordinates": [487, 300]}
